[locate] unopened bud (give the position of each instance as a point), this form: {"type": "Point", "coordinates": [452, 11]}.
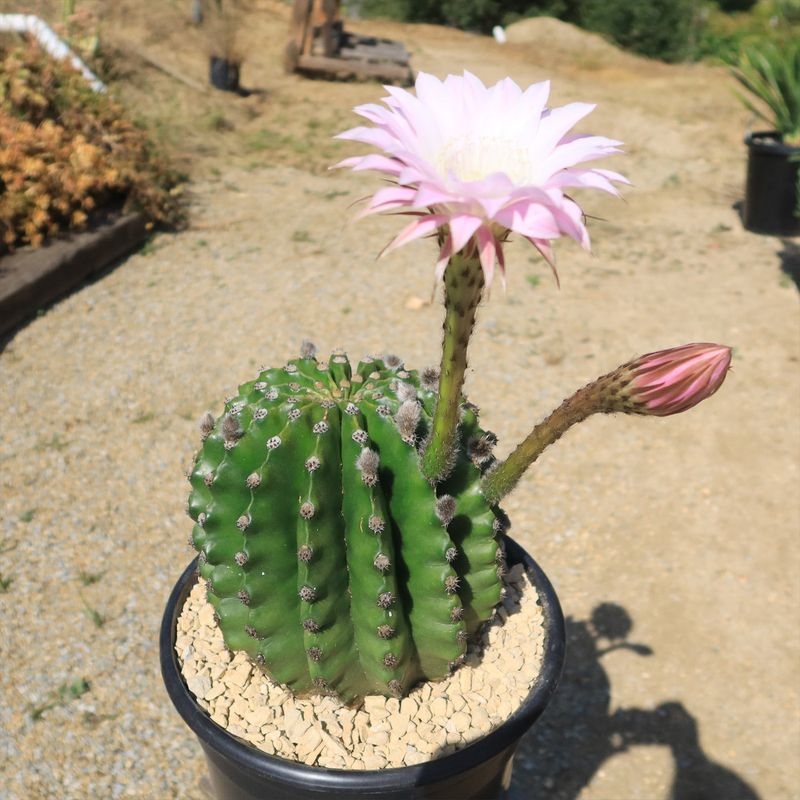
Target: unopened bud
{"type": "Point", "coordinates": [670, 381]}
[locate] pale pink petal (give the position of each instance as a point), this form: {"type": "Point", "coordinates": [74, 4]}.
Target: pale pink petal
{"type": "Point", "coordinates": [374, 113]}
{"type": "Point", "coordinates": [487, 250]}
{"type": "Point", "coordinates": [557, 121]}
{"type": "Point", "coordinates": [462, 227]}
{"type": "Point", "coordinates": [444, 258]}
{"type": "Point", "coordinates": [570, 220]}
{"type": "Point", "coordinates": [546, 249]}
{"type": "Point", "coordinates": [530, 219]}
{"type": "Point", "coordinates": [576, 152]}
{"type": "Point", "coordinates": [415, 230]}
{"type": "Point", "coordinates": [501, 262]}
{"type": "Point", "coordinates": [430, 195]}
{"type": "Point", "coordinates": [386, 199]}
{"type": "Point", "coordinates": [583, 179]}
{"type": "Point", "coordinates": [374, 161]}
{"type": "Point", "coordinates": [374, 136]}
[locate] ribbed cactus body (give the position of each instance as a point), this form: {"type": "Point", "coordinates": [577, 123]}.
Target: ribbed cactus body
{"type": "Point", "coordinates": [330, 559]}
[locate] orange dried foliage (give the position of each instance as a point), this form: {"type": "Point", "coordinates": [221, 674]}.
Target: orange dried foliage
{"type": "Point", "coordinates": [66, 151]}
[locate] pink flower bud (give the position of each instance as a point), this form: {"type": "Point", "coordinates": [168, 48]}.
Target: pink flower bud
{"type": "Point", "coordinates": [670, 381]}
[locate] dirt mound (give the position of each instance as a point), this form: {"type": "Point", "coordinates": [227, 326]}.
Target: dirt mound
{"type": "Point", "coordinates": [553, 35]}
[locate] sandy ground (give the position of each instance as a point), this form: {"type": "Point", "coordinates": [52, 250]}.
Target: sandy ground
{"type": "Point", "coordinates": [672, 543]}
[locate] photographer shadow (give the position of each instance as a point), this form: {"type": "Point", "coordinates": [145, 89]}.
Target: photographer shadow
{"type": "Point", "coordinates": [558, 758]}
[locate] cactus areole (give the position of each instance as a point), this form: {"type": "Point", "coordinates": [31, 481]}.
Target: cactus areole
{"type": "Point", "coordinates": [330, 559]}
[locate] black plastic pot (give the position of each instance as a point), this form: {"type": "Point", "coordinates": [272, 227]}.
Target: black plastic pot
{"type": "Point", "coordinates": [480, 771]}
{"type": "Point", "coordinates": [771, 195]}
{"type": "Point", "coordinates": [224, 74]}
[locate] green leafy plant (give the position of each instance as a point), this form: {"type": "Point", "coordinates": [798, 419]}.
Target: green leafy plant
{"type": "Point", "coordinates": [658, 28]}
{"type": "Point", "coordinates": [771, 74]}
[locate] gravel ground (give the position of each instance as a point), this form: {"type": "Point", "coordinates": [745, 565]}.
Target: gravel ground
{"type": "Point", "coordinates": [672, 543]}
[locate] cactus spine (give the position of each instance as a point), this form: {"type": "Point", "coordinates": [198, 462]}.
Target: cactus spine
{"type": "Point", "coordinates": [330, 559]}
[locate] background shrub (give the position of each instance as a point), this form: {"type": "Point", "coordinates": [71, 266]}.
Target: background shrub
{"type": "Point", "coordinates": [671, 30]}
{"type": "Point", "coordinates": [736, 5]}
{"type": "Point", "coordinates": [471, 15]}
{"type": "Point", "coordinates": [656, 28]}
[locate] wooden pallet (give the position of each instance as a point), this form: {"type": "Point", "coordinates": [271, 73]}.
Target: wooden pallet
{"type": "Point", "coordinates": [319, 45]}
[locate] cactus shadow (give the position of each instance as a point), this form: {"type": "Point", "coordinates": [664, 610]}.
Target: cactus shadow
{"type": "Point", "coordinates": [790, 260]}
{"type": "Point", "coordinates": [561, 754]}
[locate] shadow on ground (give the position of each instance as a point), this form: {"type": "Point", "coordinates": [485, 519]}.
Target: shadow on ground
{"type": "Point", "coordinates": [790, 260]}
{"type": "Point", "coordinates": [577, 734]}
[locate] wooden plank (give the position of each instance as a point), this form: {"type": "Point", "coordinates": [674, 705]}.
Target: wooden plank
{"type": "Point", "coordinates": [368, 54]}
{"type": "Point", "coordinates": [369, 43]}
{"type": "Point", "coordinates": [363, 69]}
{"type": "Point", "coordinates": [32, 278]}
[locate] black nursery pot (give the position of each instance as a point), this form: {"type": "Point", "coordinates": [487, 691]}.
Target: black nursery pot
{"type": "Point", "coordinates": [224, 74]}
{"type": "Point", "coordinates": [480, 771]}
{"type": "Point", "coordinates": [771, 194]}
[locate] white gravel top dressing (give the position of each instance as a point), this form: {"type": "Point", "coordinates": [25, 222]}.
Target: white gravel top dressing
{"type": "Point", "coordinates": [436, 719]}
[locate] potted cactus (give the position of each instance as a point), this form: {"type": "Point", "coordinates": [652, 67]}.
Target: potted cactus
{"type": "Point", "coordinates": [351, 543]}
{"type": "Point", "coordinates": [770, 73]}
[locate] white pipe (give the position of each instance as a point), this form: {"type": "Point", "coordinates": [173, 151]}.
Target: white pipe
{"type": "Point", "coordinates": [50, 43]}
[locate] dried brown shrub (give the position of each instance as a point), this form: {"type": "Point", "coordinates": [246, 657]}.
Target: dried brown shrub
{"type": "Point", "coordinates": [68, 153]}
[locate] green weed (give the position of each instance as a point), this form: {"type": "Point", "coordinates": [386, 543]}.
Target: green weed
{"type": "Point", "coordinates": [55, 443]}
{"type": "Point", "coordinates": [533, 280]}
{"type": "Point", "coordinates": [60, 696]}
{"type": "Point", "coordinates": [89, 578]}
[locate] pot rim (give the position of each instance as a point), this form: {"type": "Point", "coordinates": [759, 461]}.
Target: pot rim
{"type": "Point", "coordinates": [769, 143]}
{"type": "Point", "coordinates": [295, 773]}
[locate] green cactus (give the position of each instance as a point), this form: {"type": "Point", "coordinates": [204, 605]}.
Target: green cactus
{"type": "Point", "coordinates": [330, 560]}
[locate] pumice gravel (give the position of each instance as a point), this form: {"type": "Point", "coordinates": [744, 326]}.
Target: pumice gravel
{"type": "Point", "coordinates": [434, 720]}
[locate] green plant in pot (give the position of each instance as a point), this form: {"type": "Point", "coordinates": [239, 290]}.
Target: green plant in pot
{"type": "Point", "coordinates": [770, 72]}
{"type": "Point", "coordinates": [347, 516]}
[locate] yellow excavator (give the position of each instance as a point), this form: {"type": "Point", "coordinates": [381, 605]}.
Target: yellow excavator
{"type": "Point", "coordinates": [319, 45]}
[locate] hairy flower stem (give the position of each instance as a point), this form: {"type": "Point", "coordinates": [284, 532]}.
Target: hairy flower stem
{"type": "Point", "coordinates": [463, 285]}
{"type": "Point", "coordinates": [586, 401]}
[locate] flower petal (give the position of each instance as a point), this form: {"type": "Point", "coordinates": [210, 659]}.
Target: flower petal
{"type": "Point", "coordinates": [462, 227]}
{"type": "Point", "coordinates": [444, 258]}
{"type": "Point", "coordinates": [415, 230]}
{"type": "Point", "coordinates": [487, 250]}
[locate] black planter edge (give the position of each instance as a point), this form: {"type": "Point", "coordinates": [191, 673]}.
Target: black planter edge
{"type": "Point", "coordinates": [30, 279]}
{"type": "Point", "coordinates": [291, 772]}
{"type": "Point", "coordinates": [230, 64]}
{"type": "Point", "coordinates": [770, 143]}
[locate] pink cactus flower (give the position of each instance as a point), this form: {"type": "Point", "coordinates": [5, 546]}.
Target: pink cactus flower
{"type": "Point", "coordinates": [473, 163]}
{"type": "Point", "coordinates": [670, 381]}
